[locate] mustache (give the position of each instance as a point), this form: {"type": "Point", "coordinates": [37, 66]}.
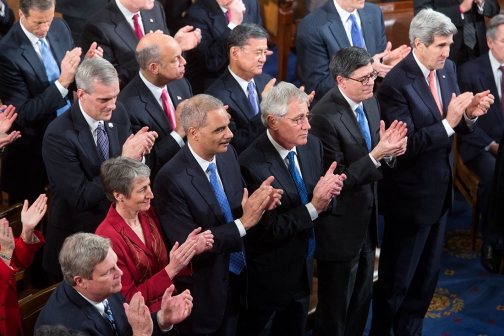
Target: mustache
{"type": "Point", "coordinates": [225, 141]}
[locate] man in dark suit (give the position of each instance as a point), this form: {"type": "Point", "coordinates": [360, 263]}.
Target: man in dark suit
{"type": "Point", "coordinates": [347, 121]}
{"type": "Point", "coordinates": [37, 62]}
{"type": "Point", "coordinates": [468, 16]}
{"type": "Point", "coordinates": [89, 299]}
{"type": "Point", "coordinates": [153, 98]}
{"type": "Point", "coordinates": [422, 92]}
{"type": "Point", "coordinates": [174, 10]}
{"type": "Point", "coordinates": [216, 19]}
{"type": "Point", "coordinates": [479, 149]}
{"type": "Point", "coordinates": [328, 29]}
{"type": "Point", "coordinates": [6, 18]}
{"type": "Point", "coordinates": [280, 249]}
{"type": "Point", "coordinates": [201, 186]}
{"type": "Point", "coordinates": [74, 147]}
{"type": "Point", "coordinates": [242, 84]}
{"type": "Point", "coordinates": [121, 24]}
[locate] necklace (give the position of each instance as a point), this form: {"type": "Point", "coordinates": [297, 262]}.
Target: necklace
{"type": "Point", "coordinates": [136, 227]}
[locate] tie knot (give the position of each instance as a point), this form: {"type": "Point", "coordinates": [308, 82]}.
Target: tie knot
{"type": "Point", "coordinates": [211, 168]}
{"type": "Point", "coordinates": [100, 127]}
{"type": "Point", "coordinates": [501, 68]}
{"type": "Point", "coordinates": [106, 305]}
{"type": "Point", "coordinates": [290, 156]}
{"type": "Point", "coordinates": [135, 17]}
{"type": "Point", "coordinates": [42, 42]}
{"type": "Point", "coordinates": [164, 94]}
{"type": "Point", "coordinates": [352, 18]}
{"type": "Point", "coordinates": [432, 74]}
{"type": "Point", "coordinates": [250, 87]}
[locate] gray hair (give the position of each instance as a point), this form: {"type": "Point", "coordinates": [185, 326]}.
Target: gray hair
{"type": "Point", "coordinates": [241, 34]}
{"type": "Point", "coordinates": [80, 254]}
{"type": "Point", "coordinates": [427, 24]}
{"type": "Point", "coordinates": [194, 113]}
{"type": "Point", "coordinates": [36, 5]}
{"type": "Point", "coordinates": [276, 100]}
{"type": "Point", "coordinates": [345, 61]}
{"type": "Point", "coordinates": [148, 55]}
{"type": "Point", "coordinates": [95, 70]}
{"type": "Point", "coordinates": [118, 174]}
{"type": "Point", "coordinates": [493, 25]}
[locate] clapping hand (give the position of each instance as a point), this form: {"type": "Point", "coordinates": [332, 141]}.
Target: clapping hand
{"type": "Point", "coordinates": [139, 316]}
{"type": "Point", "coordinates": [31, 216]}
{"type": "Point", "coordinates": [6, 240]}
{"type": "Point", "coordinates": [174, 309]}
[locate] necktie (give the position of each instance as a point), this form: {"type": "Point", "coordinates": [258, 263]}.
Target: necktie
{"type": "Point", "coordinates": [236, 259]}
{"type": "Point", "coordinates": [228, 16]}
{"type": "Point", "coordinates": [252, 97]}
{"type": "Point", "coordinates": [52, 70]}
{"type": "Point", "coordinates": [501, 68]}
{"type": "Point", "coordinates": [355, 32]}
{"type": "Point", "coordinates": [102, 143]}
{"type": "Point", "coordinates": [364, 126]}
{"type": "Point", "coordinates": [303, 194]}
{"type": "Point", "coordinates": [168, 109]}
{"type": "Point", "coordinates": [110, 318]}
{"type": "Point", "coordinates": [138, 30]}
{"type": "Point", "coordinates": [469, 30]}
{"type": "Point", "coordinates": [432, 86]}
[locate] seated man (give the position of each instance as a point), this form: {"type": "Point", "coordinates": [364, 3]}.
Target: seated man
{"type": "Point", "coordinates": [89, 299]}
{"type": "Point", "coordinates": [242, 84]}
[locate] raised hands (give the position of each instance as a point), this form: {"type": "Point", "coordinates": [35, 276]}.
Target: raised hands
{"type": "Point", "coordinates": [204, 240]}
{"type": "Point", "coordinates": [140, 144]}
{"type": "Point", "coordinates": [180, 257]}
{"type": "Point", "coordinates": [268, 87]}
{"type": "Point", "coordinates": [327, 188]}
{"type": "Point", "coordinates": [480, 104]}
{"type": "Point", "coordinates": [31, 216]}
{"type": "Point", "coordinates": [174, 309]}
{"type": "Point", "coordinates": [392, 141]}
{"type": "Point", "coordinates": [236, 10]}
{"type": "Point", "coordinates": [6, 241]}
{"type": "Point", "coordinates": [6, 139]}
{"type": "Point", "coordinates": [264, 198]}
{"type": "Point", "coordinates": [188, 37]}
{"type": "Point", "coordinates": [139, 316]}
{"type": "Point", "coordinates": [457, 107]}
{"type": "Point", "coordinates": [7, 117]}
{"type": "Point", "coordinates": [69, 66]}
{"type": "Point", "coordinates": [390, 58]}
{"type": "Point", "coordinates": [94, 51]}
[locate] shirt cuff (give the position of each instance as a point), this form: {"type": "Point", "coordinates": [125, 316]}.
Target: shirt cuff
{"type": "Point", "coordinates": [312, 211]}
{"type": "Point", "coordinates": [487, 148]}
{"type": "Point", "coordinates": [240, 227]}
{"type": "Point", "coordinates": [481, 8]}
{"type": "Point", "coordinates": [376, 163]}
{"type": "Point", "coordinates": [231, 25]}
{"type": "Point", "coordinates": [470, 122]}
{"type": "Point", "coordinates": [177, 138]}
{"type": "Point", "coordinates": [448, 128]}
{"type": "Point", "coordinates": [61, 89]}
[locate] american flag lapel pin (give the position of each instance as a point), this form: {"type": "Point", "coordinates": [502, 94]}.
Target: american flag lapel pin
{"type": "Point", "coordinates": [444, 76]}
{"type": "Point", "coordinates": [179, 98]}
{"type": "Point", "coordinates": [110, 125]}
{"type": "Point", "coordinates": [151, 20]}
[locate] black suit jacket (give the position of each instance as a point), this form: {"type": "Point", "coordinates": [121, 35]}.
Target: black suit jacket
{"type": "Point", "coordinates": [144, 110]}
{"type": "Point", "coordinates": [420, 188]}
{"type": "Point", "coordinates": [81, 9]}
{"type": "Point", "coordinates": [184, 201]}
{"type": "Point", "coordinates": [477, 76]}
{"type": "Point", "coordinates": [113, 33]}
{"type": "Point", "coordinates": [7, 20]}
{"type": "Point", "coordinates": [24, 84]}
{"type": "Point", "coordinates": [73, 166]}
{"type": "Point", "coordinates": [209, 59]}
{"type": "Point", "coordinates": [276, 247]}
{"type": "Point", "coordinates": [341, 235]}
{"type": "Point", "coordinates": [246, 126]}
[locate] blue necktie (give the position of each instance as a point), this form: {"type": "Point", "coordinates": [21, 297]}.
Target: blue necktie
{"type": "Point", "coordinates": [364, 126]}
{"type": "Point", "coordinates": [110, 318]}
{"type": "Point", "coordinates": [303, 194]}
{"type": "Point", "coordinates": [355, 32]}
{"type": "Point", "coordinates": [102, 143]}
{"type": "Point", "coordinates": [236, 259]}
{"type": "Point", "coordinates": [52, 70]}
{"type": "Point", "coordinates": [252, 97]}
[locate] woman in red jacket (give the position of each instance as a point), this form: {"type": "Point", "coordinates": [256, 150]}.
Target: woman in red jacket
{"type": "Point", "coordinates": [14, 253]}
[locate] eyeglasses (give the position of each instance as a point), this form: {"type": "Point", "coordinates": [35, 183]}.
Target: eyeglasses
{"type": "Point", "coordinates": [299, 120]}
{"type": "Point", "coordinates": [365, 80]}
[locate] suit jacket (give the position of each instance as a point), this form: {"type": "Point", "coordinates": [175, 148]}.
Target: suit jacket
{"type": "Point", "coordinates": [73, 166]}
{"type": "Point", "coordinates": [341, 235]}
{"type": "Point", "coordinates": [80, 9]}
{"type": "Point", "coordinates": [420, 188]}
{"type": "Point", "coordinates": [477, 76]}
{"type": "Point", "coordinates": [9, 308]}
{"type": "Point", "coordinates": [209, 59]}
{"type": "Point", "coordinates": [144, 110]}
{"type": "Point", "coordinates": [24, 84]}
{"type": "Point", "coordinates": [7, 20]}
{"type": "Point", "coordinates": [185, 200]}
{"type": "Point", "coordinates": [321, 33]}
{"type": "Point", "coordinates": [276, 247]}
{"type": "Point", "coordinates": [245, 125]}
{"type": "Point", "coordinates": [68, 308]}
{"type": "Point", "coordinates": [174, 10]}
{"type": "Point", "coordinates": [113, 33]}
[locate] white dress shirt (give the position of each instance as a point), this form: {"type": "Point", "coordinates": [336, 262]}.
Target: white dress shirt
{"type": "Point", "coordinates": [129, 16]}
{"type": "Point", "coordinates": [243, 83]}
{"type": "Point", "coordinates": [347, 24]}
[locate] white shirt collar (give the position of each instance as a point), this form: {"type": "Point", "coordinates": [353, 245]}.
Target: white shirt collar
{"type": "Point", "coordinates": [202, 162]}
{"type": "Point", "coordinates": [353, 105]}
{"type": "Point", "coordinates": [344, 15]}
{"type": "Point", "coordinates": [423, 68]}
{"type": "Point", "coordinates": [127, 14]}
{"type": "Point", "coordinates": [156, 90]}
{"type": "Point", "coordinates": [93, 124]}
{"type": "Point", "coordinates": [493, 61]}
{"type": "Point", "coordinates": [33, 39]}
{"type": "Point", "coordinates": [242, 82]}
{"type": "Point", "coordinates": [282, 151]}
{"type": "Point", "coordinates": [98, 305]}
{"type": "Point", "coordinates": [224, 10]}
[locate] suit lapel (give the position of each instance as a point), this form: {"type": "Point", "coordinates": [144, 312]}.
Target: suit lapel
{"type": "Point", "coordinates": [219, 21]}
{"type": "Point", "coordinates": [122, 27]}
{"type": "Point", "coordinates": [148, 21]}
{"type": "Point", "coordinates": [367, 29]}
{"type": "Point", "coordinates": [237, 95]}
{"type": "Point", "coordinates": [373, 117]}
{"type": "Point", "coordinates": [487, 81]}
{"type": "Point", "coordinates": [152, 107]}
{"type": "Point", "coordinates": [29, 53]}
{"type": "Point", "coordinates": [446, 91]}
{"type": "Point", "coordinates": [176, 92]}
{"type": "Point", "coordinates": [85, 137]}
{"type": "Point", "coordinates": [115, 148]}
{"type": "Point", "coordinates": [56, 47]}
{"type": "Point", "coordinates": [336, 26]}
{"type": "Point", "coordinates": [306, 162]}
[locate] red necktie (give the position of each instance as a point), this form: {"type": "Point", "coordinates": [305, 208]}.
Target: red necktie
{"type": "Point", "coordinates": [432, 86]}
{"type": "Point", "coordinates": [138, 30]}
{"type": "Point", "coordinates": [168, 109]}
{"type": "Point", "coordinates": [228, 15]}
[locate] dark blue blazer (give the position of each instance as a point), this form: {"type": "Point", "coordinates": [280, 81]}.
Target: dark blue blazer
{"type": "Point", "coordinates": [321, 33]}
{"type": "Point", "coordinates": [477, 76]}
{"type": "Point", "coordinates": [420, 187]}
{"type": "Point", "coordinates": [245, 125]}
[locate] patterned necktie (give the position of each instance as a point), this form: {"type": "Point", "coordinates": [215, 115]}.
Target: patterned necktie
{"type": "Point", "coordinates": [432, 86]}
{"type": "Point", "coordinates": [52, 70]}
{"type": "Point", "coordinates": [364, 126]}
{"type": "Point", "coordinates": [138, 30]}
{"type": "Point", "coordinates": [102, 143]}
{"type": "Point", "coordinates": [110, 318]}
{"type": "Point", "coordinates": [303, 194]}
{"type": "Point", "coordinates": [469, 30]}
{"type": "Point", "coordinates": [236, 259]}
{"type": "Point", "coordinates": [355, 32]}
{"type": "Point", "coordinates": [252, 97]}
{"type": "Point", "coordinates": [168, 109]}
{"type": "Point", "coordinates": [501, 68]}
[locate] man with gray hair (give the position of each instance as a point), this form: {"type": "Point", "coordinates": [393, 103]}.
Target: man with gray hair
{"type": "Point", "coordinates": [280, 249]}
{"type": "Point", "coordinates": [422, 92]}
{"type": "Point", "coordinates": [93, 130]}
{"type": "Point", "coordinates": [89, 299]}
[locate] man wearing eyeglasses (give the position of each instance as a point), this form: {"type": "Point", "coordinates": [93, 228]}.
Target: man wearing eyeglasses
{"type": "Point", "coordinates": [347, 121]}
{"type": "Point", "coordinates": [279, 250]}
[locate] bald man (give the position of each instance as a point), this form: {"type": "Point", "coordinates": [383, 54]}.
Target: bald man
{"type": "Point", "coordinates": [153, 97]}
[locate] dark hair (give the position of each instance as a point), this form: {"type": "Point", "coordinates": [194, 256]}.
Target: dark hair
{"type": "Point", "coordinates": [56, 330]}
{"type": "Point", "coordinates": [240, 35]}
{"type": "Point", "coordinates": [345, 61]}
{"type": "Point", "coordinates": [36, 5]}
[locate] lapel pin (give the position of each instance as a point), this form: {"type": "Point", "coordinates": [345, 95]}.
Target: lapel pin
{"type": "Point", "coordinates": [444, 76]}
{"type": "Point", "coordinates": [178, 97]}
{"type": "Point", "coordinates": [151, 20]}
{"type": "Point", "coordinates": [110, 125]}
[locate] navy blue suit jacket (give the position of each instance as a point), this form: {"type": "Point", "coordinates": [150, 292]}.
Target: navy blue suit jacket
{"type": "Point", "coordinates": [321, 33]}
